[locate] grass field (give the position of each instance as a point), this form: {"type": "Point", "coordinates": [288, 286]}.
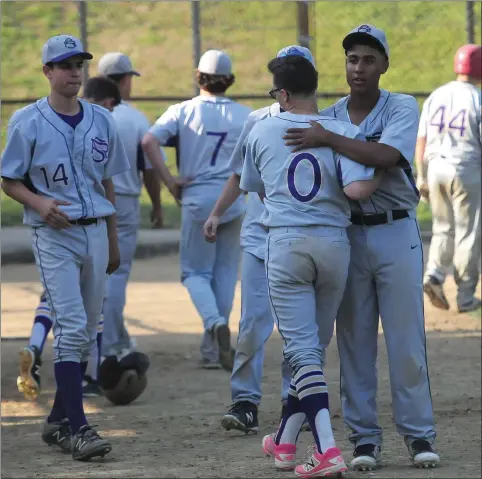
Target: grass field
{"type": "Point", "coordinates": [423, 37]}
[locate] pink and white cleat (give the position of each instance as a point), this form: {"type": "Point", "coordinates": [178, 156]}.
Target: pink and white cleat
{"type": "Point", "coordinates": [284, 454]}
{"type": "Point", "coordinates": [330, 464]}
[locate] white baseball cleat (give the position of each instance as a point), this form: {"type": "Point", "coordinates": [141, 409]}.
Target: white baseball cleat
{"type": "Point", "coordinates": [367, 457]}
{"type": "Point", "coordinates": [422, 454]}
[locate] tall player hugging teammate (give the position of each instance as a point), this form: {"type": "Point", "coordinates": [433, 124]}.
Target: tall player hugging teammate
{"type": "Point", "coordinates": [60, 155]}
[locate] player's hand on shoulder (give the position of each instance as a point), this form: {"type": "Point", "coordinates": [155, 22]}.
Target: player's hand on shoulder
{"type": "Point", "coordinates": [304, 138]}
{"type": "Point", "coordinates": [50, 212]}
{"type": "Point", "coordinates": [114, 256]}
{"type": "Point", "coordinates": [210, 228]}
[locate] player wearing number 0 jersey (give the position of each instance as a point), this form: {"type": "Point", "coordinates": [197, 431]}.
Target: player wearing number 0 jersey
{"type": "Point", "coordinates": [385, 277]}
{"type": "Point", "coordinates": [205, 130]}
{"type": "Point", "coordinates": [307, 252]}
{"type": "Point", "coordinates": [256, 324]}
{"type": "Point", "coordinates": [60, 156]}
{"type": "Point", "coordinates": [449, 161]}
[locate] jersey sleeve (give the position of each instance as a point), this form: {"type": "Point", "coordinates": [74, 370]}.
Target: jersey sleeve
{"type": "Point", "coordinates": [348, 170]}
{"type": "Point", "coordinates": [117, 161]}
{"type": "Point", "coordinates": [167, 126]}
{"type": "Point", "coordinates": [422, 127]}
{"type": "Point", "coordinates": [251, 176]}
{"type": "Point", "coordinates": [237, 157]}
{"type": "Point", "coordinates": [17, 156]}
{"type": "Point", "coordinates": [401, 131]}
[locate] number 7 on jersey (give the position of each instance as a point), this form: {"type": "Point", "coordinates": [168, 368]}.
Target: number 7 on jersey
{"type": "Point", "coordinates": [222, 137]}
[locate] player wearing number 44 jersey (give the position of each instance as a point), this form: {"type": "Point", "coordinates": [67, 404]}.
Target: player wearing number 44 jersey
{"type": "Point", "coordinates": [449, 164]}
{"type": "Point", "coordinates": [205, 130]}
{"type": "Point", "coordinates": [307, 252]}
{"type": "Point", "coordinates": [60, 156]}
{"type": "Point", "coordinates": [386, 269]}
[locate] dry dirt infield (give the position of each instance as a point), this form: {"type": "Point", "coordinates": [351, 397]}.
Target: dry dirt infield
{"type": "Point", "coordinates": [173, 429]}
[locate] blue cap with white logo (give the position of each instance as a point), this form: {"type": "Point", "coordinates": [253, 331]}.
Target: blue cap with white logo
{"type": "Point", "coordinates": [297, 50]}
{"type": "Point", "coordinates": [62, 47]}
{"type": "Point", "coordinates": [364, 31]}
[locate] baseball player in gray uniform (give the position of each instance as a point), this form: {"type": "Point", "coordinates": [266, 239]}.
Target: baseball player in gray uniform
{"type": "Point", "coordinates": [132, 126]}
{"type": "Point", "coordinates": [448, 160]}
{"type": "Point", "coordinates": [256, 324]}
{"type": "Point", "coordinates": [386, 269]}
{"type": "Point", "coordinates": [60, 155]}
{"type": "Point", "coordinates": [103, 92]}
{"type": "Point", "coordinates": [205, 130]}
{"type": "Point", "coordinates": [307, 252]}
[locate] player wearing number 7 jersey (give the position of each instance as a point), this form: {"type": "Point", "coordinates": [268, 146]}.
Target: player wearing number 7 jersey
{"type": "Point", "coordinates": [307, 252]}
{"type": "Point", "coordinates": [449, 164]}
{"type": "Point", "coordinates": [205, 130]}
{"type": "Point", "coordinates": [60, 156]}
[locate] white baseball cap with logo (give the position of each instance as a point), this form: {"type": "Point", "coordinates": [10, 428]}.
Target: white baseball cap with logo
{"type": "Point", "coordinates": [364, 31]}
{"type": "Point", "coordinates": [297, 50]}
{"type": "Point", "coordinates": [215, 62]}
{"type": "Point", "coordinates": [116, 63]}
{"type": "Point", "coordinates": [61, 47]}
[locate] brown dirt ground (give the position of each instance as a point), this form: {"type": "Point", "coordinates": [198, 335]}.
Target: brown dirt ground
{"type": "Point", "coordinates": [173, 429]}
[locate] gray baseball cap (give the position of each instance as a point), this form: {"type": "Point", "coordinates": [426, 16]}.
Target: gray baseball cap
{"type": "Point", "coordinates": [61, 47]}
{"type": "Point", "coordinates": [363, 31]}
{"type": "Point", "coordinates": [116, 63]}
{"type": "Point", "coordinates": [215, 62]}
{"type": "Point", "coordinates": [297, 50]}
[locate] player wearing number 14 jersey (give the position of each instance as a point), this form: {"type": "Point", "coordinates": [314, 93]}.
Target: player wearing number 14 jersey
{"type": "Point", "coordinates": [205, 130]}
{"type": "Point", "coordinates": [449, 161]}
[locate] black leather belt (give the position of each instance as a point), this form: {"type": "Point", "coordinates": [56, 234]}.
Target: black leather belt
{"type": "Point", "coordinates": [377, 218]}
{"type": "Point", "coordinates": [86, 221]}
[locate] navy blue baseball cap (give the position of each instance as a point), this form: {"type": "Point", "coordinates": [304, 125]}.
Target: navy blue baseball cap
{"type": "Point", "coordinates": [62, 47]}
{"type": "Point", "coordinates": [367, 31]}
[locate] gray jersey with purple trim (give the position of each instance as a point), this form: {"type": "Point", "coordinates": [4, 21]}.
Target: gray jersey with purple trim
{"type": "Point", "coordinates": [393, 122]}
{"type": "Point", "coordinates": [253, 233]}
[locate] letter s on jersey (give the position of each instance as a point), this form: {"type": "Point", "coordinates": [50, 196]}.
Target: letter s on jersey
{"type": "Point", "coordinates": [100, 149]}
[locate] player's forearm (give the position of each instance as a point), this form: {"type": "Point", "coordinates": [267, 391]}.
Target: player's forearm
{"type": "Point", "coordinates": [361, 190]}
{"type": "Point", "coordinates": [152, 184]}
{"type": "Point", "coordinates": [229, 195]}
{"type": "Point", "coordinates": [20, 193]}
{"type": "Point", "coordinates": [419, 163]}
{"type": "Point", "coordinates": [375, 155]}
{"type": "Point", "coordinates": [151, 147]}
{"type": "Point", "coordinates": [112, 219]}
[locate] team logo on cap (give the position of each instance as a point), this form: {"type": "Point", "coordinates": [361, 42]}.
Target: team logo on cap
{"type": "Point", "coordinates": [100, 149]}
{"type": "Point", "coordinates": [364, 29]}
{"type": "Point", "coordinates": [293, 51]}
{"type": "Point", "coordinates": [69, 43]}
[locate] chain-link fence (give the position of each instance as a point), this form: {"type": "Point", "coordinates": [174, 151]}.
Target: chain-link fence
{"type": "Point", "coordinates": [165, 39]}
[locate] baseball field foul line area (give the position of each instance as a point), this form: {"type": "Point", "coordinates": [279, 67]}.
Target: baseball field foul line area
{"type": "Point", "coordinates": [174, 429]}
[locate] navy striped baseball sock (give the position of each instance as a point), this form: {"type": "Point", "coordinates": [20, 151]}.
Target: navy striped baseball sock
{"type": "Point", "coordinates": [313, 396]}
{"type": "Point", "coordinates": [69, 383]}
{"type": "Point", "coordinates": [292, 420]}
{"type": "Point", "coordinates": [42, 325]}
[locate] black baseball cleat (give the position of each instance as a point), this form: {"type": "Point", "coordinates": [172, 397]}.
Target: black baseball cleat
{"type": "Point", "coordinates": [422, 454]}
{"type": "Point", "coordinates": [86, 444]}
{"type": "Point", "coordinates": [222, 336]}
{"type": "Point", "coordinates": [366, 457]}
{"type": "Point", "coordinates": [433, 288]}
{"type": "Point", "coordinates": [57, 434]}
{"type": "Point", "coordinates": [28, 382]}
{"type": "Point", "coordinates": [242, 416]}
